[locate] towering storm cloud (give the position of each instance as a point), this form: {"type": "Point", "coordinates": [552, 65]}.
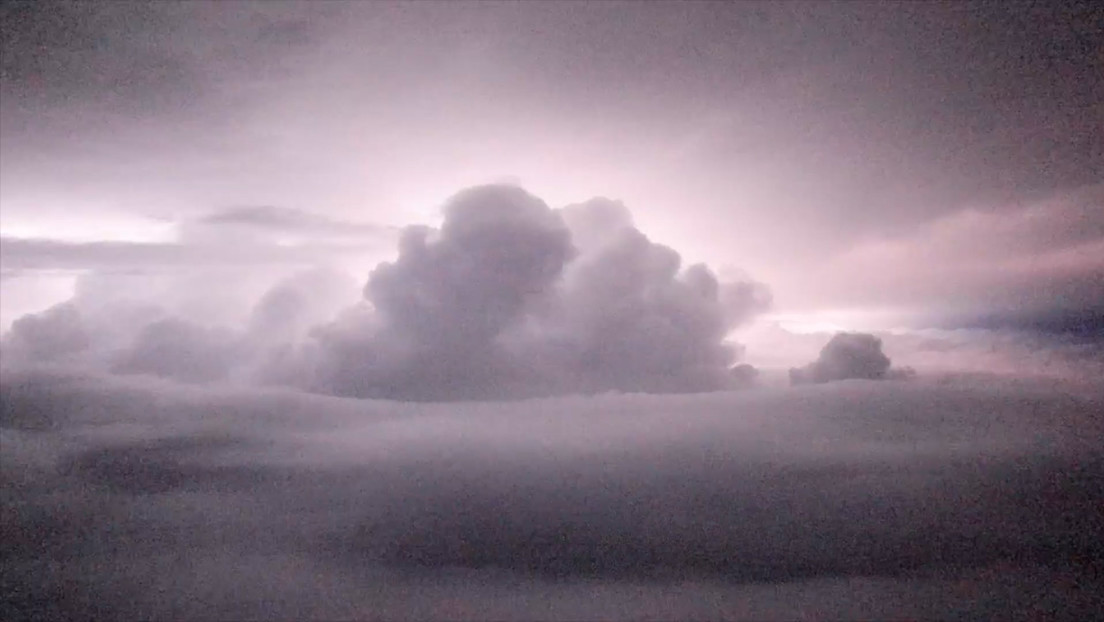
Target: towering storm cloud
{"type": "Point", "coordinates": [442, 306]}
{"type": "Point", "coordinates": [507, 298]}
{"type": "Point", "coordinates": [511, 298]}
{"type": "Point", "coordinates": [629, 316]}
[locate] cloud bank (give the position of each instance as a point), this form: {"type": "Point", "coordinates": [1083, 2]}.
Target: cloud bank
{"type": "Point", "coordinates": [131, 497]}
{"type": "Point", "coordinates": [507, 298]}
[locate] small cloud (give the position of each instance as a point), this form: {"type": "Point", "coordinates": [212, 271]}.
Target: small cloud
{"type": "Point", "coordinates": [845, 356]}
{"type": "Point", "coordinates": [744, 375]}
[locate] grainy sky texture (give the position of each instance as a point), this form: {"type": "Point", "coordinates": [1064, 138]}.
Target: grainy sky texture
{"type": "Point", "coordinates": [551, 310]}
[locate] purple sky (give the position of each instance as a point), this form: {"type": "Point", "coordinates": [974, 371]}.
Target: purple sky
{"type": "Point", "coordinates": [904, 160]}
{"type": "Point", "coordinates": [540, 310]}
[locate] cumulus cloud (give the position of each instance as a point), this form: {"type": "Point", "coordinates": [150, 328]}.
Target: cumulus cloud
{"type": "Point", "coordinates": [181, 350]}
{"type": "Point", "coordinates": [744, 374]}
{"type": "Point", "coordinates": [847, 356]}
{"type": "Point", "coordinates": [511, 298]}
{"type": "Point", "coordinates": [123, 338]}
{"type": "Point", "coordinates": [507, 298]}
{"type": "Point", "coordinates": [1026, 350]}
{"type": "Point", "coordinates": [628, 316]}
{"type": "Point", "coordinates": [224, 249]}
{"type": "Point", "coordinates": [55, 333]}
{"type": "Point", "coordinates": [287, 311]}
{"type": "Point", "coordinates": [136, 498]}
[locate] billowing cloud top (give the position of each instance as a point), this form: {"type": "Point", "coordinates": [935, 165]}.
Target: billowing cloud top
{"type": "Point", "coordinates": [511, 298]}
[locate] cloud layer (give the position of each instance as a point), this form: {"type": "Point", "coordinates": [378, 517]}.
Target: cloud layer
{"type": "Point", "coordinates": [1032, 257]}
{"type": "Point", "coordinates": [132, 497]}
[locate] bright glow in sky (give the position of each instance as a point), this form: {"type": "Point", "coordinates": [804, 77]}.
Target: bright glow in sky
{"type": "Point", "coordinates": [838, 320]}
{"type": "Point", "coordinates": [103, 227]}
{"type": "Point", "coordinates": [533, 309]}
{"type": "Point", "coordinates": [827, 149]}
